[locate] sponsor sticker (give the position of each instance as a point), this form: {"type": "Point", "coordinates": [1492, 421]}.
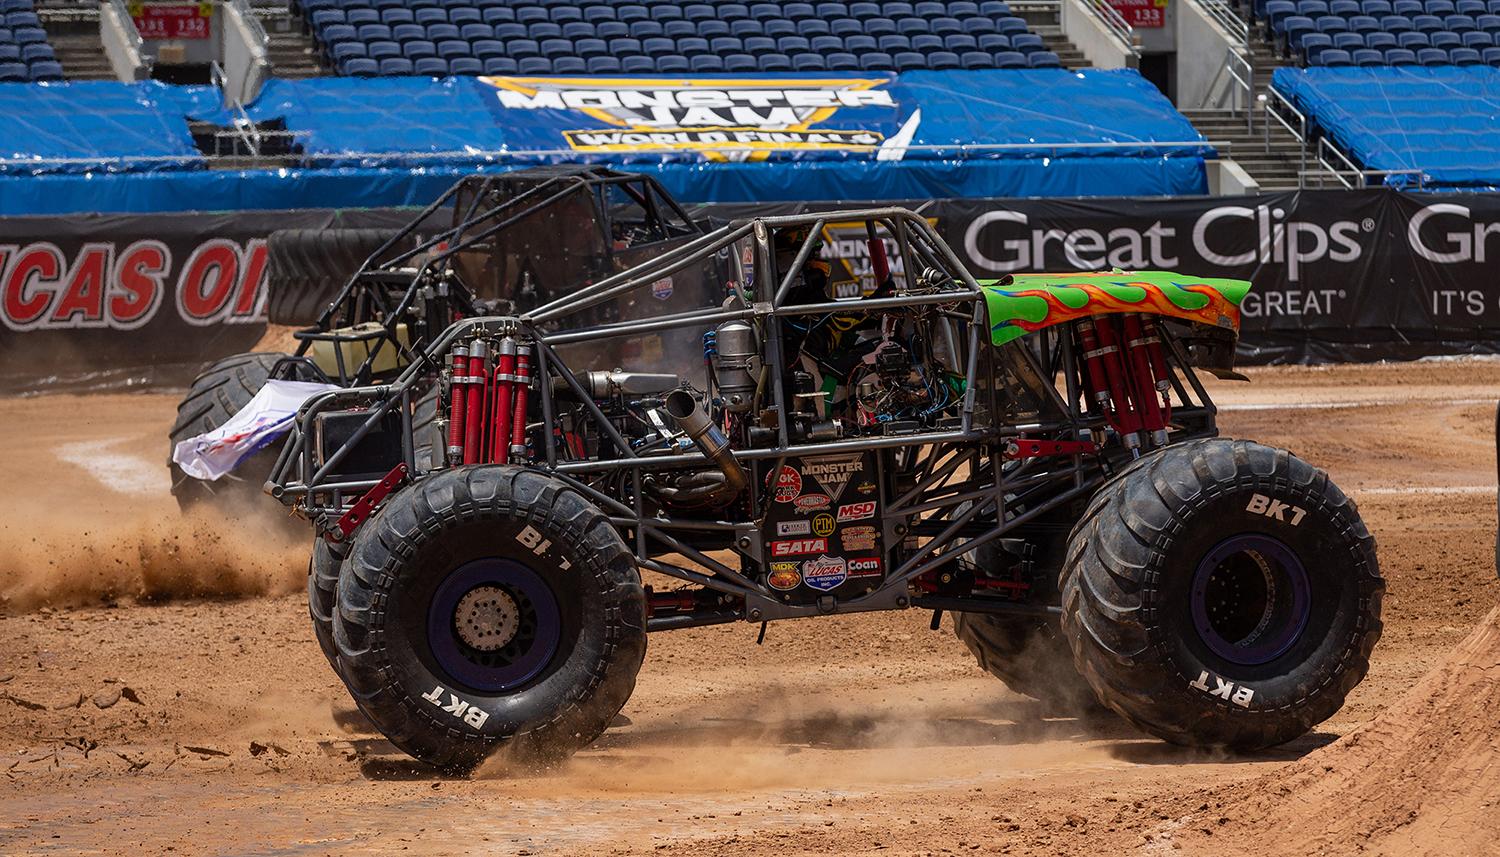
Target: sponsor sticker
{"type": "Point", "coordinates": [865, 487]}
{"type": "Point", "coordinates": [788, 484]}
{"type": "Point", "coordinates": [793, 547]}
{"type": "Point", "coordinates": [860, 538]}
{"type": "Point", "coordinates": [865, 566]}
{"type": "Point", "coordinates": [662, 289]}
{"type": "Point", "coordinates": [822, 525]}
{"type": "Point", "coordinates": [793, 528]}
{"type": "Point", "coordinates": [825, 572]}
{"type": "Point", "coordinates": [784, 576]}
{"type": "Point", "coordinates": [833, 472]}
{"type": "Point", "coordinates": [857, 511]}
{"type": "Point", "coordinates": [812, 503]}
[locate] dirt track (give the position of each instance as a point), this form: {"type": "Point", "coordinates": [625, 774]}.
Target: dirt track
{"type": "Point", "coordinates": [856, 734]}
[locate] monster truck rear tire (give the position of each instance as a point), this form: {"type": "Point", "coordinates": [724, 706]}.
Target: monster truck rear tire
{"type": "Point", "coordinates": [428, 443]}
{"type": "Point", "coordinates": [1030, 655]}
{"type": "Point", "coordinates": [218, 393]}
{"type": "Point", "coordinates": [322, 584]}
{"type": "Point", "coordinates": [306, 268]}
{"type": "Point", "coordinates": [489, 608]}
{"type": "Point", "coordinates": [1222, 594]}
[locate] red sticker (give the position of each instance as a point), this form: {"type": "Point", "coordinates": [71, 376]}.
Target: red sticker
{"type": "Point", "coordinates": [788, 484]}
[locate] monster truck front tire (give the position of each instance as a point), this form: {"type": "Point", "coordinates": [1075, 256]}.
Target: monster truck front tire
{"type": "Point", "coordinates": [306, 269]}
{"type": "Point", "coordinates": [489, 608]}
{"type": "Point", "coordinates": [218, 393]}
{"type": "Point", "coordinates": [1222, 594]}
{"type": "Point", "coordinates": [322, 584]}
{"type": "Point", "coordinates": [1030, 655]}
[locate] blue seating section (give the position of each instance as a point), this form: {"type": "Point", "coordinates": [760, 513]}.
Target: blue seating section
{"type": "Point", "coordinates": [25, 53]}
{"type": "Point", "coordinates": [1437, 120]}
{"type": "Point", "coordinates": [1384, 32]}
{"type": "Point", "coordinates": [441, 37]}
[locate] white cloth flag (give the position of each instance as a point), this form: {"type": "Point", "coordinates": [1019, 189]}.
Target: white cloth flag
{"type": "Point", "coordinates": [264, 418]}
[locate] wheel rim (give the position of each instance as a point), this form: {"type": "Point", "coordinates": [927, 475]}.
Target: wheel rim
{"type": "Point", "coordinates": [493, 624]}
{"type": "Point", "coordinates": [1250, 599]}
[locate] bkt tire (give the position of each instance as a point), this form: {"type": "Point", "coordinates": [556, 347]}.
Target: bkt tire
{"type": "Point", "coordinates": [489, 608]}
{"type": "Point", "coordinates": [1222, 594]}
{"type": "Point", "coordinates": [306, 269]}
{"type": "Point", "coordinates": [322, 584]}
{"type": "Point", "coordinates": [1030, 656]}
{"type": "Point", "coordinates": [218, 393]}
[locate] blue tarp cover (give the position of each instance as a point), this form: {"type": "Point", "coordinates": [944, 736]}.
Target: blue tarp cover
{"type": "Point", "coordinates": [728, 138]}
{"type": "Point", "coordinates": [70, 127]}
{"type": "Point", "coordinates": [1442, 120]}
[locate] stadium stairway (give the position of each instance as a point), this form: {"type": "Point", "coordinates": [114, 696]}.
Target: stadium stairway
{"type": "Point", "coordinates": [292, 51]}
{"type": "Point", "coordinates": [1057, 43]}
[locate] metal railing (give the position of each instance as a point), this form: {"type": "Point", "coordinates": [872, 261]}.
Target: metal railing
{"type": "Point", "coordinates": [1349, 174]}
{"type": "Point", "coordinates": [1116, 25]}
{"type": "Point", "coordinates": [1234, 82]}
{"type": "Point", "coordinates": [1329, 160]}
{"type": "Point", "coordinates": [1274, 104]}
{"type": "Point", "coordinates": [122, 43]}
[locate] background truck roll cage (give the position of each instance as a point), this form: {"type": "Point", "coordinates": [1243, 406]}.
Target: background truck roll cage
{"type": "Point", "coordinates": [1018, 449]}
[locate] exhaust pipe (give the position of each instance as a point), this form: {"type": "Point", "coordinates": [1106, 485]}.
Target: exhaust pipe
{"type": "Point", "coordinates": [683, 409]}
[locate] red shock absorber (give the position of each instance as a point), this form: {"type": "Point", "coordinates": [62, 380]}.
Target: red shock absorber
{"type": "Point", "coordinates": [522, 388]}
{"type": "Point", "coordinates": [880, 266]}
{"type": "Point", "coordinates": [1157, 352]}
{"type": "Point", "coordinates": [1094, 364]}
{"type": "Point", "coordinates": [458, 401]}
{"type": "Point", "coordinates": [1140, 371]}
{"type": "Point", "coordinates": [474, 416]}
{"type": "Point", "coordinates": [1126, 420]}
{"type": "Point", "coordinates": [505, 368]}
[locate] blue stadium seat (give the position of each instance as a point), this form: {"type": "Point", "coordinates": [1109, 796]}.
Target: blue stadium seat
{"type": "Point", "coordinates": [1427, 24]}
{"type": "Point", "coordinates": [408, 33]}
{"type": "Point", "coordinates": [361, 17]}
{"type": "Point", "coordinates": [820, 44]}
{"type": "Point", "coordinates": [1363, 24]}
{"type": "Point", "coordinates": [864, 11]}
{"type": "Point", "coordinates": [13, 72]}
{"type": "Point", "coordinates": [418, 50]}
{"type": "Point", "coordinates": [1330, 25]}
{"type": "Point", "coordinates": [1027, 43]}
{"type": "Point", "coordinates": [991, 42]}
{"type": "Point", "coordinates": [909, 61]}
{"type": "Point", "coordinates": [602, 65]}
{"type": "Point", "coordinates": [759, 45]}
{"type": "Point", "coordinates": [960, 42]}
{"type": "Point", "coordinates": [324, 17]}
{"type": "Point", "coordinates": [443, 32]}
{"type": "Point", "coordinates": [344, 51]}
{"type": "Point", "coordinates": [843, 61]}
{"type": "Point", "coordinates": [809, 28]}
{"type": "Point", "coordinates": [1010, 59]}
{"type": "Point", "coordinates": [713, 29]}
{"type": "Point", "coordinates": [520, 49]}
{"type": "Point", "coordinates": [534, 65]}
{"type": "Point", "coordinates": [396, 17]}
{"type": "Point", "coordinates": [911, 26]}
{"type": "Point", "coordinates": [9, 52]}
{"type": "Point", "coordinates": [564, 15]}
{"type": "Point", "coordinates": [543, 30]}
{"type": "Point", "coordinates": [975, 26]}
{"type": "Point", "coordinates": [846, 27]}
{"type": "Point", "coordinates": [1400, 56]}
{"type": "Point", "coordinates": [36, 53]}
{"type": "Point", "coordinates": [637, 65]}
{"type": "Point", "coordinates": [46, 71]}
{"type": "Point", "coordinates": [611, 29]}
{"type": "Point", "coordinates": [1312, 44]}
{"type": "Point", "coordinates": [774, 62]}
{"type": "Point", "coordinates": [740, 12]}
{"type": "Point", "coordinates": [1312, 8]}
{"type": "Point", "coordinates": [1010, 26]}
{"type": "Point", "coordinates": [590, 48]}
{"type": "Point", "coordinates": [1376, 8]}
{"type": "Point", "coordinates": [1043, 59]}
{"type": "Point", "coordinates": [1493, 6]}
{"type": "Point", "coordinates": [994, 9]}
{"type": "Point", "coordinates": [1396, 24]}
{"type": "Point", "coordinates": [1346, 41]}
{"type": "Point", "coordinates": [531, 15]}
{"type": "Point", "coordinates": [361, 67]}
{"type": "Point", "coordinates": [598, 14]}
{"type": "Point", "coordinates": [860, 44]}
{"type": "Point", "coordinates": [497, 15]}
{"type": "Point", "coordinates": [1407, 8]}
{"type": "Point", "coordinates": [486, 48]}
{"type": "Point", "coordinates": [1446, 40]}
{"type": "Point", "coordinates": [625, 47]}
{"type": "Point", "coordinates": [500, 65]}
{"type": "Point", "coordinates": [374, 33]}
{"type": "Point", "coordinates": [692, 46]}
{"type": "Point", "coordinates": [1491, 56]}
{"type": "Point", "coordinates": [1344, 8]}
{"type": "Point", "coordinates": [560, 65]}
{"type": "Point", "coordinates": [976, 59]}
{"type": "Point", "coordinates": [1334, 57]}
{"type": "Point", "coordinates": [1459, 23]}
{"type": "Point", "coordinates": [673, 64]}
{"type": "Point", "coordinates": [1380, 41]}
{"type": "Point", "coordinates": [1278, 10]}
{"type": "Point", "coordinates": [550, 48]}
{"type": "Point", "coordinates": [1478, 40]}
{"type": "Point", "coordinates": [1439, 7]}
{"type": "Point", "coordinates": [777, 28]}
{"type": "Point", "coordinates": [826, 11]}
{"type": "Point", "coordinates": [894, 9]}
{"type": "Point", "coordinates": [579, 30]}
{"type": "Point", "coordinates": [945, 25]}
{"type": "Point", "coordinates": [1432, 56]}
{"type": "Point", "coordinates": [744, 62]}
{"type": "Point", "coordinates": [1367, 57]}
{"type": "Point", "coordinates": [646, 30]}
{"type": "Point", "coordinates": [430, 66]}
{"type": "Point", "coordinates": [471, 32]}
{"type": "Point", "coordinates": [1471, 8]}
{"type": "Point", "coordinates": [678, 29]}
{"type": "Point", "coordinates": [1488, 23]}
{"type": "Point", "coordinates": [880, 27]}
{"type": "Point", "coordinates": [940, 61]}
{"type": "Point", "coordinates": [396, 66]}
{"type": "Point", "coordinates": [428, 17]}
{"type": "Point", "coordinates": [808, 62]}
{"type": "Point", "coordinates": [388, 50]}
{"type": "Point", "coordinates": [452, 49]}
{"type": "Point", "coordinates": [893, 43]}
{"type": "Point", "coordinates": [507, 30]}
{"type": "Point", "coordinates": [1413, 41]}
{"type": "Point", "coordinates": [926, 43]}
{"type": "Point", "coordinates": [1465, 56]}
{"type": "Point", "coordinates": [877, 61]}
{"type": "Point", "coordinates": [658, 47]}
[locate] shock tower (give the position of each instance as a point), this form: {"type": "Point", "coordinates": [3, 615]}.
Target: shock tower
{"type": "Point", "coordinates": [693, 476]}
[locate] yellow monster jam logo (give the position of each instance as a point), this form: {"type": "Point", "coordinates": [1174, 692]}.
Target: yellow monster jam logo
{"type": "Point", "coordinates": [725, 119]}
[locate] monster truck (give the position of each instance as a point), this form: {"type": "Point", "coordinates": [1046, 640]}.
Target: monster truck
{"type": "Point", "coordinates": [1036, 456]}
{"type": "Point", "coordinates": [520, 238]}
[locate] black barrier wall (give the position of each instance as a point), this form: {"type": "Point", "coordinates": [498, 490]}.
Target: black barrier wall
{"type": "Point", "coordinates": [1339, 275]}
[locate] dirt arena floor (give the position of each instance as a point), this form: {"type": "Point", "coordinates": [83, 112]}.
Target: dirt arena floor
{"type": "Point", "coordinates": [161, 693]}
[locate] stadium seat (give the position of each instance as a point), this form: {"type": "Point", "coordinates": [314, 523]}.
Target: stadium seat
{"type": "Point", "coordinates": [1488, 23]}
{"type": "Point", "coordinates": [374, 33]}
{"type": "Point", "coordinates": [1380, 41]}
{"type": "Point", "coordinates": [927, 43]}
{"type": "Point", "coordinates": [590, 48]}
{"type": "Point", "coordinates": [497, 15]}
{"type": "Point", "coordinates": [1470, 7]}
{"type": "Point", "coordinates": [344, 51]}
{"type": "Point", "coordinates": [775, 29]}
{"type": "Point", "coordinates": [543, 31]}
{"type": "Point", "coordinates": [564, 15]}
{"type": "Point", "coordinates": [1346, 41]}
{"type": "Point", "coordinates": [1011, 26]}
{"type": "Point", "coordinates": [1478, 40]}
{"type": "Point", "coordinates": [1407, 8]}
{"type": "Point", "coordinates": [1332, 57]}
{"type": "Point", "coordinates": [658, 47]}
{"type": "Point", "coordinates": [860, 44]}
{"type": "Point", "coordinates": [46, 71]}
{"type": "Point", "coordinates": [361, 17]}
{"type": "Point", "coordinates": [1446, 40]}
{"type": "Point", "coordinates": [1465, 56]}
{"type": "Point", "coordinates": [1043, 59]}
{"type": "Point", "coordinates": [1400, 56]}
{"type": "Point", "coordinates": [909, 61]}
{"type": "Point", "coordinates": [500, 65]}
{"type": "Point", "coordinates": [1427, 24]}
{"type": "Point", "coordinates": [893, 43]}
{"type": "Point", "coordinates": [1344, 8]}
{"type": "Point", "coordinates": [745, 63]}
{"type": "Point", "coordinates": [774, 62]}
{"type": "Point", "coordinates": [959, 42]}
{"type": "Point", "coordinates": [792, 45]}
{"type": "Point", "coordinates": [1413, 41]}
{"type": "Point", "coordinates": [821, 45]}
{"type": "Point", "coordinates": [1278, 11]}
{"type": "Point", "coordinates": [846, 27]}
{"type": "Point", "coordinates": [560, 65]}
{"type": "Point", "coordinates": [622, 47]}
{"type": "Point", "coordinates": [876, 61]}
{"type": "Point", "coordinates": [396, 66]}
{"type": "Point", "coordinates": [1439, 8]}
{"type": "Point", "coordinates": [1027, 43]}
{"type": "Point", "coordinates": [976, 59]}
{"type": "Point", "coordinates": [418, 50]}
{"type": "Point", "coordinates": [842, 61]}
{"type": "Point", "coordinates": [602, 65]}
{"type": "Point", "coordinates": [759, 45]}
{"type": "Point", "coordinates": [324, 17]}
{"type": "Point", "coordinates": [1396, 24]}
{"type": "Point", "coordinates": [9, 53]}
{"type": "Point", "coordinates": [1459, 23]}
{"type": "Point", "coordinates": [864, 11]}
{"type": "Point", "coordinates": [1432, 56]}
{"type": "Point", "coordinates": [36, 53]}
{"type": "Point", "coordinates": [878, 27]}
{"type": "Point", "coordinates": [1367, 57]}
{"type": "Point", "coordinates": [534, 65]}
{"type": "Point", "coordinates": [939, 61]}
{"type": "Point", "coordinates": [505, 31]}
{"type": "Point", "coordinates": [637, 65]}
{"type": "Point", "coordinates": [447, 32]}
{"type": "Point", "coordinates": [1312, 44]}
{"type": "Point", "coordinates": [13, 72]}
{"type": "Point", "coordinates": [408, 33]}
{"type": "Point", "coordinates": [611, 30]}
{"type": "Point", "coordinates": [642, 30]}
{"type": "Point", "coordinates": [1376, 8]}
{"type": "Point", "coordinates": [1491, 56]}
{"type": "Point", "coordinates": [378, 51]}
{"type": "Point", "coordinates": [672, 64]}
{"type": "Point", "coordinates": [1330, 25]}
{"type": "Point", "coordinates": [809, 62]}
{"type": "Point", "coordinates": [427, 17]}
{"type": "Point", "coordinates": [994, 9]}
{"type": "Point", "coordinates": [1363, 24]}
{"type": "Point", "coordinates": [1010, 59]}
{"type": "Point", "coordinates": [992, 42]}
{"type": "Point", "coordinates": [911, 26]}
{"type": "Point", "coordinates": [361, 67]}
{"type": "Point", "coordinates": [740, 11]}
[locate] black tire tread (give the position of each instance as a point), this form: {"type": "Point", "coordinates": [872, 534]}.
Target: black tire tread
{"type": "Point", "coordinates": [218, 393]}
{"type": "Point", "coordinates": [306, 269]}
